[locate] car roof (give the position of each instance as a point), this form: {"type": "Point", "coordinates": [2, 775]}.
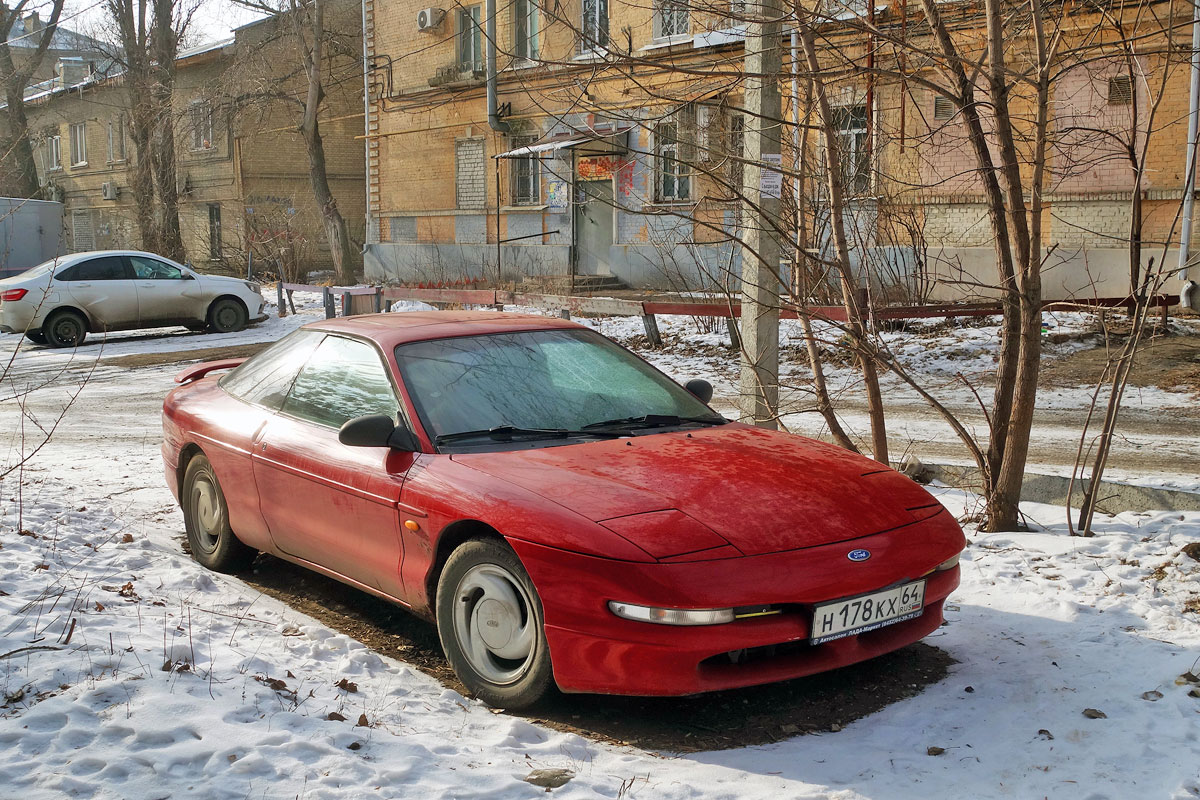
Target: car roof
{"type": "Point", "coordinates": [398, 327]}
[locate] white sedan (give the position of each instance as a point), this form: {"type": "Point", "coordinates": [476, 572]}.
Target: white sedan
{"type": "Point", "coordinates": [61, 301]}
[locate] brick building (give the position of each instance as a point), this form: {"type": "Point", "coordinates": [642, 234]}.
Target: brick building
{"type": "Point", "coordinates": [620, 143]}
{"type": "Point", "coordinates": [242, 167]}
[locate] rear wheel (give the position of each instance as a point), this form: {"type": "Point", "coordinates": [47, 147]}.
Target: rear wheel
{"type": "Point", "coordinates": [37, 337]}
{"type": "Point", "coordinates": [65, 329]}
{"type": "Point", "coordinates": [227, 315]}
{"type": "Point", "coordinates": [206, 518]}
{"type": "Point", "coordinates": [489, 620]}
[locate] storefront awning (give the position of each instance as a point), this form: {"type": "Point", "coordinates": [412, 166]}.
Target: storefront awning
{"type": "Point", "coordinates": [544, 147]}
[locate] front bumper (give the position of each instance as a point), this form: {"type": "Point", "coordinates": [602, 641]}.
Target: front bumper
{"type": "Point", "coordinates": [593, 650]}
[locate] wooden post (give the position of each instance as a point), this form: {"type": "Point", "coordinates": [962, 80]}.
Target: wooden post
{"type": "Point", "coordinates": [650, 323]}
{"type": "Point", "coordinates": [347, 305]}
{"type": "Point", "coordinates": [327, 299]}
{"type": "Point", "coordinates": [279, 299]}
{"type": "Point", "coordinates": [379, 306]}
{"type": "Point", "coordinates": [290, 301]}
{"type": "Point", "coordinates": [564, 313]}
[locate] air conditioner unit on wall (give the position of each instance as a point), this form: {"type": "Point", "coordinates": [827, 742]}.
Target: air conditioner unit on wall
{"type": "Point", "coordinates": [110, 190]}
{"type": "Point", "coordinates": [429, 19]}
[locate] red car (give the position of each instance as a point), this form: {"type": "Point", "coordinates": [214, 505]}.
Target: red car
{"type": "Point", "coordinates": [565, 512]}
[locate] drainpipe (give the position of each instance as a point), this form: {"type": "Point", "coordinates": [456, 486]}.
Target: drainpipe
{"type": "Point", "coordinates": [1189, 296]}
{"type": "Point", "coordinates": [494, 121]}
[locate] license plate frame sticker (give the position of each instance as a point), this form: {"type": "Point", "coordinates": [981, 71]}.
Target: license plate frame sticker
{"type": "Point", "coordinates": [867, 612]}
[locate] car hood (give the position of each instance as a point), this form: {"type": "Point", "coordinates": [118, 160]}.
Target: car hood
{"type": "Point", "coordinates": [761, 491]}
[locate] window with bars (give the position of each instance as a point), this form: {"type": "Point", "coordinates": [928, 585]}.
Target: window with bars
{"type": "Point", "coordinates": [594, 26]}
{"type": "Point", "coordinates": [470, 40]}
{"type": "Point", "coordinates": [214, 230]}
{"type": "Point", "coordinates": [673, 172]}
{"type": "Point", "coordinates": [526, 174]}
{"type": "Point", "coordinates": [200, 121]}
{"type": "Point", "coordinates": [1120, 90]}
{"type": "Point", "coordinates": [116, 139]}
{"type": "Point", "coordinates": [851, 124]}
{"type": "Point", "coordinates": [670, 18]}
{"type": "Point", "coordinates": [527, 23]}
{"type": "Point", "coordinates": [78, 144]}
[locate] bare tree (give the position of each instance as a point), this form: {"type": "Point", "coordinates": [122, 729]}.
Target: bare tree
{"type": "Point", "coordinates": [295, 71]}
{"type": "Point", "coordinates": [148, 35]}
{"type": "Point", "coordinates": [17, 167]}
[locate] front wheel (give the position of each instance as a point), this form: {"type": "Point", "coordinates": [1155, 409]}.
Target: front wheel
{"type": "Point", "coordinates": [65, 329]}
{"type": "Point", "coordinates": [206, 518]}
{"type": "Point", "coordinates": [489, 620]}
{"type": "Point", "coordinates": [227, 315]}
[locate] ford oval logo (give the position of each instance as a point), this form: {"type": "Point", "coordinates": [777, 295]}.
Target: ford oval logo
{"type": "Point", "coordinates": [858, 555]}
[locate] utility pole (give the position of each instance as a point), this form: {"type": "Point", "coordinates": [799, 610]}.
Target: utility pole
{"type": "Point", "coordinates": [758, 387]}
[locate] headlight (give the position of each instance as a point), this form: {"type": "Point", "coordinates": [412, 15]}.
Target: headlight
{"type": "Point", "coordinates": [671, 616]}
{"type": "Point", "coordinates": [254, 287]}
{"type": "Point", "coordinates": [949, 563]}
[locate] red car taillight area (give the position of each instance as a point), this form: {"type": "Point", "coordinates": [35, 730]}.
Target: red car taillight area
{"type": "Point", "coordinates": [13, 295]}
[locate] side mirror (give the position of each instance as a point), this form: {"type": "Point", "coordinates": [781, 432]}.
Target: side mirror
{"type": "Point", "coordinates": [700, 388]}
{"type": "Point", "coordinates": [377, 430]}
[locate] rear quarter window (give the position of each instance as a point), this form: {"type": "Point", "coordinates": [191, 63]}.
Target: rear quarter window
{"type": "Point", "coordinates": [266, 378]}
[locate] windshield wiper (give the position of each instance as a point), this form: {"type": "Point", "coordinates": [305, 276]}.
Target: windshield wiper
{"type": "Point", "coordinates": [653, 421]}
{"type": "Point", "coordinates": [506, 433]}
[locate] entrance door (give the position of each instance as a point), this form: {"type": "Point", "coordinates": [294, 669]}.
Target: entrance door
{"type": "Point", "coordinates": [593, 227]}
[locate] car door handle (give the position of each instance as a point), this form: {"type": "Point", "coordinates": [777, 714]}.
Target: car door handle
{"type": "Point", "coordinates": [82, 285]}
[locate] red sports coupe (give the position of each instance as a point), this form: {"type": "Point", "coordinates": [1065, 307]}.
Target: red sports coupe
{"type": "Point", "coordinates": [566, 513]}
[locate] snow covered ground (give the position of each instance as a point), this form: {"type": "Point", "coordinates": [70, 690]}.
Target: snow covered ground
{"type": "Point", "coordinates": [127, 671]}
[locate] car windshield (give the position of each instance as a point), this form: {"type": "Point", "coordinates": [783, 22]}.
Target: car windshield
{"type": "Point", "coordinates": [538, 381]}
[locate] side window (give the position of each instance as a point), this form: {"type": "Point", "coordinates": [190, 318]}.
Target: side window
{"type": "Point", "coordinates": [107, 268]}
{"type": "Point", "coordinates": [265, 379]}
{"type": "Point", "coordinates": [153, 269]}
{"type": "Point", "coordinates": [344, 379]}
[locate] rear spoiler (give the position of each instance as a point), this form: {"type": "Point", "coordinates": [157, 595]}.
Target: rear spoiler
{"type": "Point", "coordinates": [195, 373]}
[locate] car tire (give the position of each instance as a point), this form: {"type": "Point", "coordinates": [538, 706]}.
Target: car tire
{"type": "Point", "coordinates": [37, 337]}
{"type": "Point", "coordinates": [206, 518]}
{"type": "Point", "coordinates": [65, 329]}
{"type": "Point", "coordinates": [507, 664]}
{"type": "Point", "coordinates": [226, 315]}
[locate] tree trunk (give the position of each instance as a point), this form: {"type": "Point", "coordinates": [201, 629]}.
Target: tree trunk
{"type": "Point", "coordinates": [837, 207]}
{"type": "Point", "coordinates": [16, 151]}
{"type": "Point", "coordinates": [336, 232]}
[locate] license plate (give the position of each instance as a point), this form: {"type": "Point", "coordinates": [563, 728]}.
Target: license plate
{"type": "Point", "coordinates": [867, 612]}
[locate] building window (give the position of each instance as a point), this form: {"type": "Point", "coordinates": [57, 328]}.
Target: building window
{"type": "Point", "coordinates": [670, 18]}
{"type": "Point", "coordinates": [200, 119]}
{"type": "Point", "coordinates": [525, 44]}
{"type": "Point", "coordinates": [737, 149]}
{"type": "Point", "coordinates": [214, 231]}
{"type": "Point", "coordinates": [943, 107]}
{"type": "Point", "coordinates": [470, 176]}
{"type": "Point", "coordinates": [526, 174]}
{"type": "Point", "coordinates": [674, 173]}
{"type": "Point", "coordinates": [851, 124]}
{"type": "Point", "coordinates": [79, 144]}
{"type": "Point", "coordinates": [116, 139]}
{"type": "Point", "coordinates": [594, 26]}
{"type": "Point", "coordinates": [402, 229]}
{"type": "Point", "coordinates": [1120, 90]}
{"type": "Point", "coordinates": [470, 40]}
{"type": "Point", "coordinates": [53, 152]}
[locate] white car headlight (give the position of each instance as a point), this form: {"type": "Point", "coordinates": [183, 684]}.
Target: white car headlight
{"type": "Point", "coordinates": [254, 287]}
{"type": "Point", "coordinates": [671, 616]}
